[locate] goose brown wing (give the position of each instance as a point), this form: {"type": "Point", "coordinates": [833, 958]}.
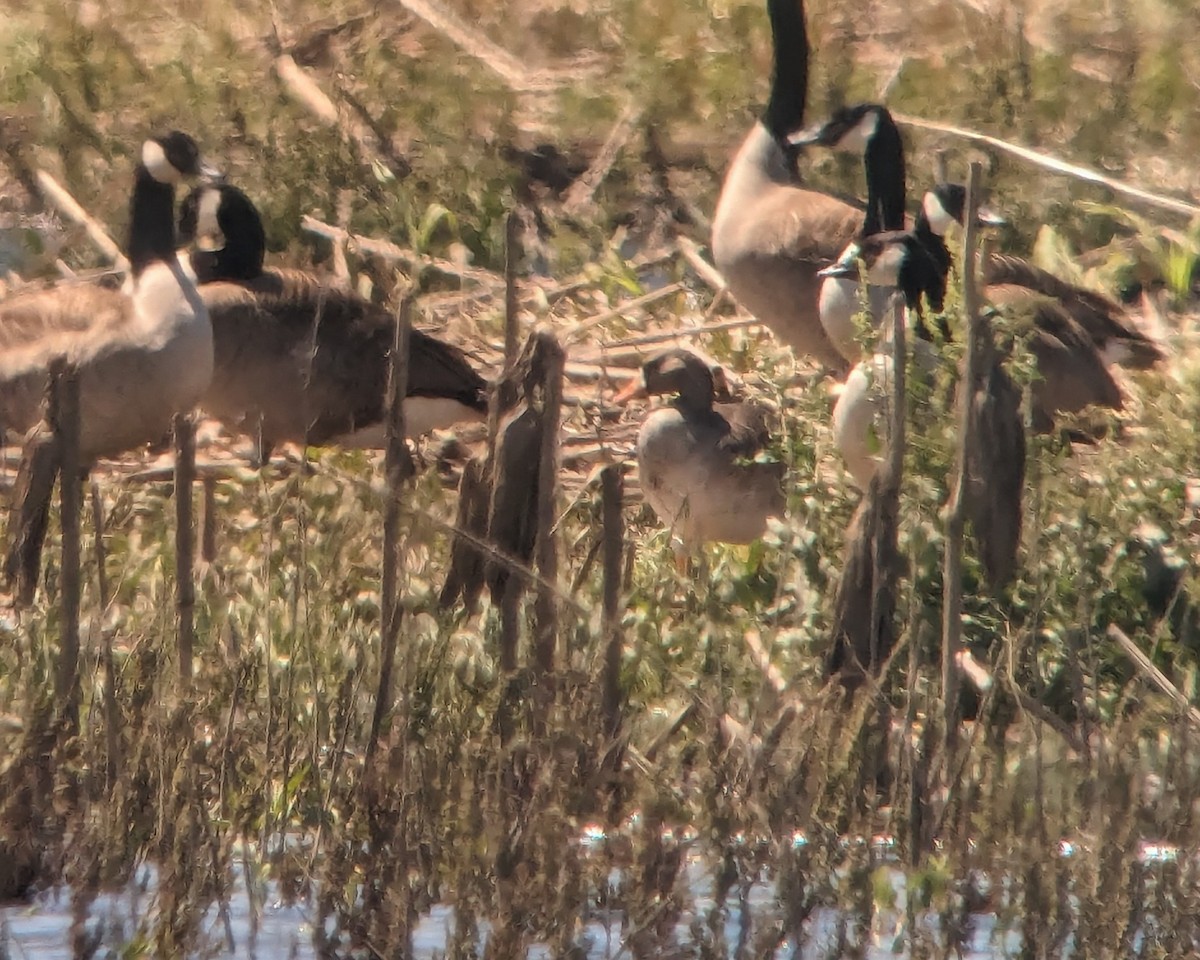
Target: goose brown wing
{"type": "Point", "coordinates": [802, 226]}
{"type": "Point", "coordinates": [748, 428]}
{"type": "Point", "coordinates": [440, 369]}
{"type": "Point", "coordinates": [1102, 318]}
{"type": "Point", "coordinates": [1073, 375]}
{"type": "Point", "coordinates": [304, 356]}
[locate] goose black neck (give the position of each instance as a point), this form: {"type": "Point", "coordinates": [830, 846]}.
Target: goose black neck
{"type": "Point", "coordinates": [924, 275]}
{"type": "Point", "coordinates": [935, 249]}
{"type": "Point", "coordinates": [789, 77]}
{"type": "Point", "coordinates": [886, 187]}
{"type": "Point", "coordinates": [696, 392]}
{"type": "Point", "coordinates": [240, 259]}
{"type": "Point", "coordinates": [151, 222]}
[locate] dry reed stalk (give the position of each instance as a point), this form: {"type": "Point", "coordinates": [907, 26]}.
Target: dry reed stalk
{"type": "Point", "coordinates": [546, 546]}
{"type": "Point", "coordinates": [66, 428]}
{"type": "Point", "coordinates": [682, 333]}
{"type": "Point", "coordinates": [506, 66]}
{"type": "Point", "coordinates": [67, 206]}
{"type": "Point", "coordinates": [622, 310]}
{"type": "Point", "coordinates": [952, 595]}
{"type": "Point", "coordinates": [582, 190]}
{"type": "Point", "coordinates": [512, 265]}
{"type": "Point", "coordinates": [355, 243]}
{"type": "Point", "coordinates": [703, 269]}
{"type": "Point", "coordinates": [185, 544]}
{"type": "Point", "coordinates": [112, 714]}
{"type": "Point", "coordinates": [1147, 668]}
{"type": "Point", "coordinates": [1056, 165]}
{"type": "Point", "coordinates": [398, 467]}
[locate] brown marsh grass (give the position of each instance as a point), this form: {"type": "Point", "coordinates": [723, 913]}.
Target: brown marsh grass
{"type": "Point", "coordinates": [732, 752]}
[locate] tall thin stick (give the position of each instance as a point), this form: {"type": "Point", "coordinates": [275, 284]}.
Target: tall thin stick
{"type": "Point", "coordinates": [185, 544]}
{"type": "Point", "coordinates": [546, 550]}
{"type": "Point", "coordinates": [66, 427]}
{"type": "Point", "coordinates": [112, 715]}
{"type": "Point", "coordinates": [952, 597]}
{"type": "Point", "coordinates": [503, 396]}
{"type": "Point", "coordinates": [612, 492]}
{"type": "Point", "coordinates": [398, 467]}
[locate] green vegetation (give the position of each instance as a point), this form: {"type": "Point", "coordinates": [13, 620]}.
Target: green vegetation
{"type": "Point", "coordinates": [263, 762]}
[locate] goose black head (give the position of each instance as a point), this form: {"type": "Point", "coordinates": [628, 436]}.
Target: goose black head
{"type": "Point", "coordinates": [226, 233]}
{"type": "Point", "coordinates": [681, 372]}
{"type": "Point", "coordinates": [869, 129]}
{"type": "Point", "coordinates": [895, 258]}
{"type": "Point", "coordinates": [946, 203]}
{"type": "Point", "coordinates": [173, 157]}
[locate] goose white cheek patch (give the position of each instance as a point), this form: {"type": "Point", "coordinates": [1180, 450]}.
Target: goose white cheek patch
{"type": "Point", "coordinates": [935, 213]}
{"type": "Point", "coordinates": [856, 139]}
{"type": "Point", "coordinates": [209, 235]}
{"type": "Point", "coordinates": [154, 159]}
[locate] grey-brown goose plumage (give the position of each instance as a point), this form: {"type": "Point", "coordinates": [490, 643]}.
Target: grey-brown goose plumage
{"type": "Point", "coordinates": [1012, 282]}
{"type": "Point", "coordinates": [696, 456]}
{"type": "Point", "coordinates": [770, 234]}
{"type": "Point", "coordinates": [144, 352]}
{"type": "Point", "coordinates": [305, 360]}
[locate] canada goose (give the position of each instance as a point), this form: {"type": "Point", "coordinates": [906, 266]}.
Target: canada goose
{"type": "Point", "coordinates": [771, 235]}
{"type": "Point", "coordinates": [143, 353]}
{"type": "Point", "coordinates": [695, 457]}
{"type": "Point", "coordinates": [995, 459]}
{"type": "Point", "coordinates": [1011, 281]}
{"type": "Point", "coordinates": [840, 305]}
{"type": "Point", "coordinates": [1073, 374]}
{"type": "Point", "coordinates": [301, 359]}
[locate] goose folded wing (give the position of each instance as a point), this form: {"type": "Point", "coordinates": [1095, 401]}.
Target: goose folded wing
{"type": "Point", "coordinates": [74, 321]}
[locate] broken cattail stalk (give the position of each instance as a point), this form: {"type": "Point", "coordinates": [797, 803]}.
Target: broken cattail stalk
{"type": "Point", "coordinates": [185, 544]}
{"type": "Point", "coordinates": [30, 511]}
{"type": "Point", "coordinates": [65, 420]}
{"type": "Point", "coordinates": [546, 546]}
{"type": "Point", "coordinates": [612, 496]}
{"type": "Point", "coordinates": [952, 595]}
{"type": "Point", "coordinates": [398, 467]}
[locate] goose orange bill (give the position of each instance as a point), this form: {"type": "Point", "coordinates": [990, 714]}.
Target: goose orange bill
{"type": "Point", "coordinates": [634, 389]}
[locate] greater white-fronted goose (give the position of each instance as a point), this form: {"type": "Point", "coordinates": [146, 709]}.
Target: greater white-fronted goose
{"type": "Point", "coordinates": [696, 457]}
